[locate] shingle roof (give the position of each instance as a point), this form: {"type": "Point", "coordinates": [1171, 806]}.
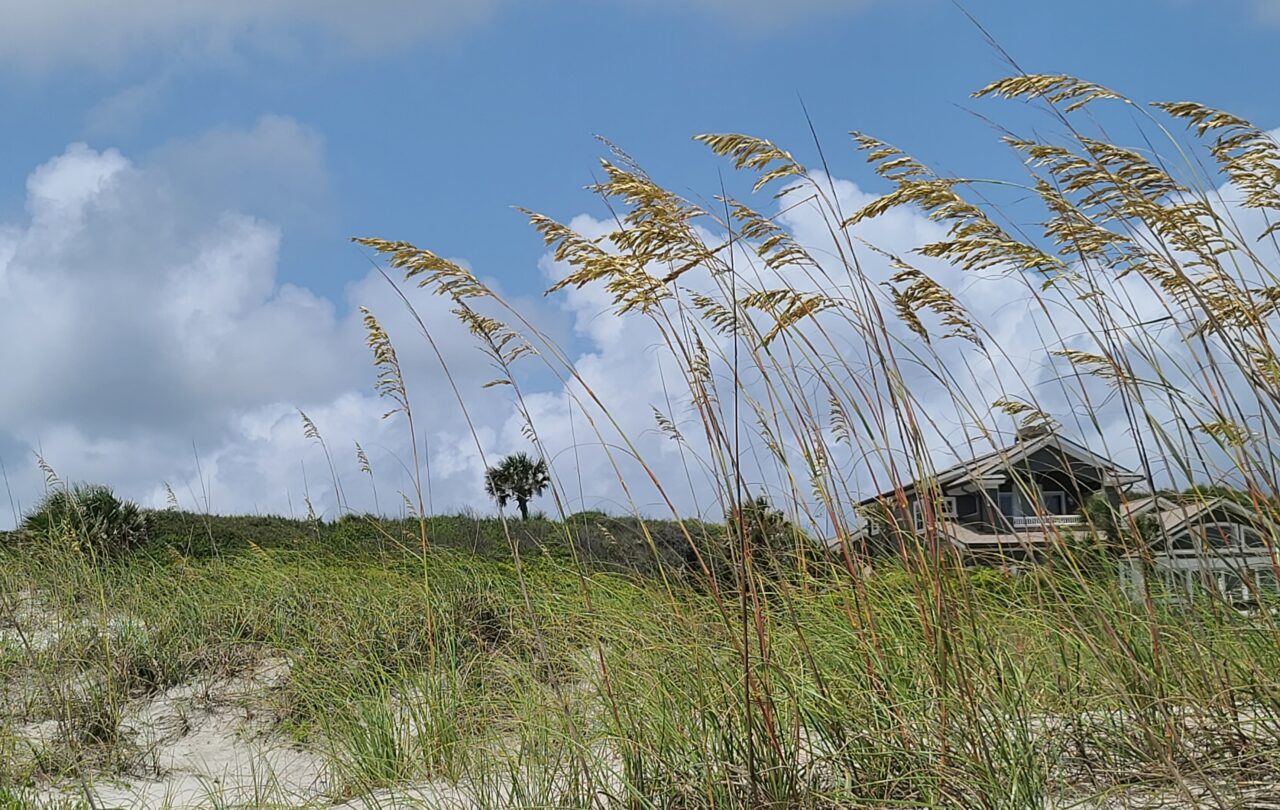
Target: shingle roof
{"type": "Point", "coordinates": [996, 460]}
{"type": "Point", "coordinates": [1173, 514]}
{"type": "Point", "coordinates": [971, 539]}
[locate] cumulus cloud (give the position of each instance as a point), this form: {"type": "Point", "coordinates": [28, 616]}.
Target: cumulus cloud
{"type": "Point", "coordinates": [135, 317]}
{"type": "Point", "coordinates": [116, 263]}
{"type": "Point", "coordinates": [146, 339]}
{"type": "Point", "coordinates": [952, 383]}
{"type": "Point", "coordinates": [767, 14]}
{"type": "Point", "coordinates": [40, 36]}
{"type": "Point", "coordinates": [43, 35]}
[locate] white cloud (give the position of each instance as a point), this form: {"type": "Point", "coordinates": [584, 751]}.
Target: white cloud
{"type": "Point", "coordinates": [1267, 10]}
{"type": "Point", "coordinates": [135, 317]}
{"type": "Point", "coordinates": [767, 14]}
{"type": "Point", "coordinates": [630, 370]}
{"type": "Point", "coordinates": [213, 171]}
{"type": "Point", "coordinates": [123, 111]}
{"type": "Point", "coordinates": [142, 322]}
{"type": "Point", "coordinates": [42, 35]}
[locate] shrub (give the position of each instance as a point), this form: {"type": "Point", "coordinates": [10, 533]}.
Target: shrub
{"type": "Point", "coordinates": [90, 515]}
{"type": "Point", "coordinates": [1111, 535]}
{"type": "Point", "coordinates": [356, 532]}
{"type": "Point", "coordinates": [588, 516]}
{"type": "Point", "coordinates": [779, 548]}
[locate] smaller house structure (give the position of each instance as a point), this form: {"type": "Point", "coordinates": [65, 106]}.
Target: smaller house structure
{"type": "Point", "coordinates": [1197, 546]}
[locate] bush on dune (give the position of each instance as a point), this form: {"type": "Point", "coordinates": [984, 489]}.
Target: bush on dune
{"type": "Point", "coordinates": [89, 515]}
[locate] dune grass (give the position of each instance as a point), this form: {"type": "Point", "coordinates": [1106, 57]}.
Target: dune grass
{"type": "Point", "coordinates": [610, 689]}
{"type": "Point", "coordinates": [641, 663]}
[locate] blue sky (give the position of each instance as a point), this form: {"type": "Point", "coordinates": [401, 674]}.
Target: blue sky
{"type": "Point", "coordinates": [307, 123]}
{"type": "Point", "coordinates": [435, 138]}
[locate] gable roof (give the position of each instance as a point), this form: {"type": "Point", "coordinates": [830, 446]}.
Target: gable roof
{"type": "Point", "coordinates": [1022, 448]}
{"type": "Point", "coordinates": [1173, 515]}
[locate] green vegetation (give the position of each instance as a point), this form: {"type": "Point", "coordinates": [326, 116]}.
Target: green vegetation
{"type": "Point", "coordinates": [594, 661]}
{"type": "Point", "coordinates": [993, 696]}
{"type": "Point", "coordinates": [87, 514]}
{"type": "Point", "coordinates": [594, 540]}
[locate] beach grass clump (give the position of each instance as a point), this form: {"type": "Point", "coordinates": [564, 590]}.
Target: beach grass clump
{"type": "Point", "coordinates": [616, 682]}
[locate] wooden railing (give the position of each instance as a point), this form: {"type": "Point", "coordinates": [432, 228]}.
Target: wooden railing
{"type": "Point", "coordinates": [1045, 521]}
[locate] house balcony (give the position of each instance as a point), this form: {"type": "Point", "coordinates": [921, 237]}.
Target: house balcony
{"type": "Point", "coordinates": [1045, 522]}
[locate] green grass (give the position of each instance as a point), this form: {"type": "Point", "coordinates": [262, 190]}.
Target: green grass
{"type": "Point", "coordinates": [1039, 684]}
{"type": "Point", "coordinates": [600, 542]}
{"type": "Point", "coordinates": [626, 663]}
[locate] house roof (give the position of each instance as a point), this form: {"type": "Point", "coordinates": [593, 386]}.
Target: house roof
{"type": "Point", "coordinates": [972, 540]}
{"type": "Point", "coordinates": [1144, 504]}
{"type": "Point", "coordinates": [987, 464]}
{"type": "Point", "coordinates": [1173, 515]}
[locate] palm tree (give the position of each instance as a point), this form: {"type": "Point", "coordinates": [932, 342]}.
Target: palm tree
{"type": "Point", "coordinates": [517, 478]}
{"type": "Point", "coordinates": [778, 546]}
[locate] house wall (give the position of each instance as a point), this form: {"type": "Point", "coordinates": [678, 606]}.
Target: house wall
{"type": "Point", "coordinates": [981, 512]}
{"type": "Point", "coordinates": [1238, 579]}
{"type": "Point", "coordinates": [1051, 461]}
{"type": "Point", "coordinates": [1052, 471]}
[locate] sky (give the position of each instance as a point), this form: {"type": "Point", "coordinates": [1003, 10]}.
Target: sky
{"type": "Point", "coordinates": [180, 181]}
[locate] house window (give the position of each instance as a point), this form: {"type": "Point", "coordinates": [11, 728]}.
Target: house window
{"type": "Point", "coordinates": [1229, 537]}
{"type": "Point", "coordinates": [1252, 538]}
{"type": "Point", "coordinates": [1232, 587]}
{"type": "Point", "coordinates": [1200, 581]}
{"type": "Point", "coordinates": [1265, 580]}
{"type": "Point", "coordinates": [946, 507]}
{"type": "Point", "coordinates": [1055, 502]}
{"type": "Point", "coordinates": [1219, 535]}
{"type": "Point", "coordinates": [1183, 581]}
{"type": "Point", "coordinates": [1005, 500]}
{"type": "Point", "coordinates": [1018, 504]}
{"type": "Point", "coordinates": [1183, 542]}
